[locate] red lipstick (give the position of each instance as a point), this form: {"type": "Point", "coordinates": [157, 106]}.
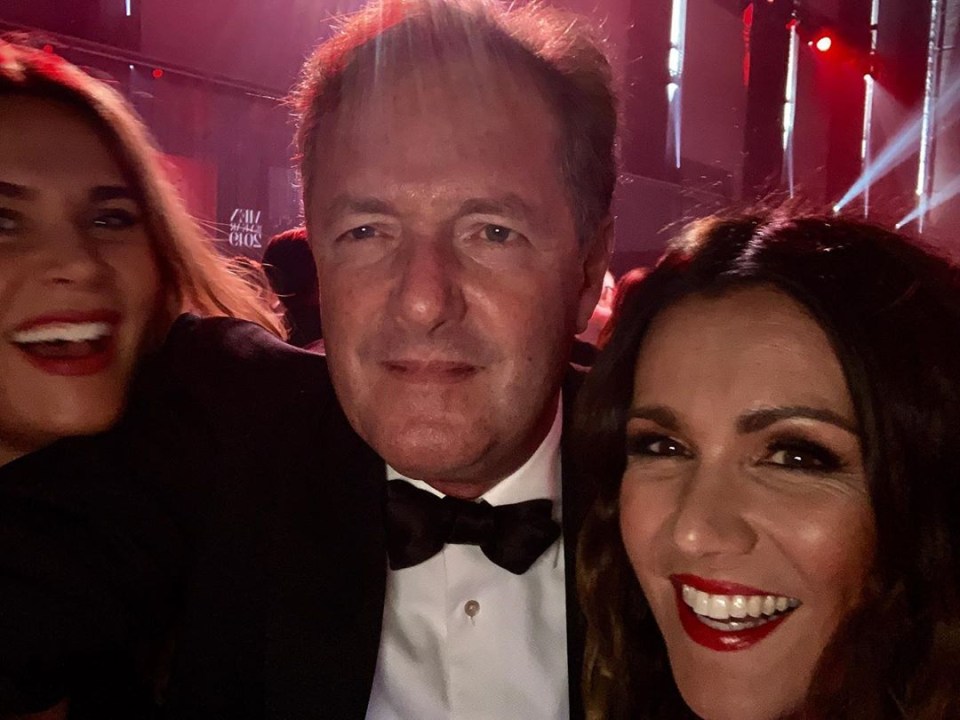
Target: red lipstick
{"type": "Point", "coordinates": [93, 357]}
{"type": "Point", "coordinates": [721, 640]}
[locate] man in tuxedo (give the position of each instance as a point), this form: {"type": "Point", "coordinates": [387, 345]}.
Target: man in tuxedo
{"type": "Point", "coordinates": [400, 543]}
{"type": "Point", "coordinates": [458, 165]}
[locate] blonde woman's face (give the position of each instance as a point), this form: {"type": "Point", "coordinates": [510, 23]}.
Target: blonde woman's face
{"type": "Point", "coordinates": [78, 277]}
{"type": "Point", "coordinates": [744, 505]}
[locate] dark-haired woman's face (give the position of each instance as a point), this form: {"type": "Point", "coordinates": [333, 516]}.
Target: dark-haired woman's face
{"type": "Point", "coordinates": [744, 507]}
{"type": "Point", "coordinates": [78, 278]}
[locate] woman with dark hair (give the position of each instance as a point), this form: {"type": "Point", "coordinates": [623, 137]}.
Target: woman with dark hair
{"type": "Point", "coordinates": [774, 428]}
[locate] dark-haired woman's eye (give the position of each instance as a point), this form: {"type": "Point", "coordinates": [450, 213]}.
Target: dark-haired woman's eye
{"type": "Point", "coordinates": [656, 445]}
{"type": "Point", "coordinates": [802, 455]}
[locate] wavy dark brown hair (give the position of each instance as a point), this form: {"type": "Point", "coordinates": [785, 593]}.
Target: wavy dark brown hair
{"type": "Point", "coordinates": [892, 312]}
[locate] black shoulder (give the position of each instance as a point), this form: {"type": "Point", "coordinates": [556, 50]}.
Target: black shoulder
{"type": "Point", "coordinates": [218, 355]}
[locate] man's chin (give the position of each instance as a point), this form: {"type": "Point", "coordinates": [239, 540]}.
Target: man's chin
{"type": "Point", "coordinates": [431, 454]}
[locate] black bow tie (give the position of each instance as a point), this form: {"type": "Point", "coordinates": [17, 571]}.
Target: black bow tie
{"type": "Point", "coordinates": [419, 524]}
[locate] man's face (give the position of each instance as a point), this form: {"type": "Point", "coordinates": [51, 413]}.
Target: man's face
{"type": "Point", "coordinates": [451, 276]}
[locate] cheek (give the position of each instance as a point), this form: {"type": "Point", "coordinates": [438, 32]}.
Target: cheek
{"type": "Point", "coordinates": [644, 517]}
{"type": "Point", "coordinates": [139, 278]}
{"type": "Point", "coordinates": [834, 549]}
{"type": "Point", "coordinates": [348, 304]}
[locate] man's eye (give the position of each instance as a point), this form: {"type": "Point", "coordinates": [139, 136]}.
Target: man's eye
{"type": "Point", "coordinates": [363, 232]}
{"type": "Point", "coordinates": [497, 233]}
{"type": "Point", "coordinates": [651, 445]}
{"type": "Point", "coordinates": [803, 455]}
{"type": "Point", "coordinates": [115, 219]}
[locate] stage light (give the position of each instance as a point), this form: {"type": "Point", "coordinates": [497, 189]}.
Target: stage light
{"type": "Point", "coordinates": [823, 43]}
{"type": "Point", "coordinates": [157, 73]}
{"type": "Point", "coordinates": [950, 191]}
{"type": "Point", "coordinates": [48, 48]}
{"type": "Point", "coordinates": [906, 141]}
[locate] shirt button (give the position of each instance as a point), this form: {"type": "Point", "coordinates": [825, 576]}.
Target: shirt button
{"type": "Point", "coordinates": [471, 608]}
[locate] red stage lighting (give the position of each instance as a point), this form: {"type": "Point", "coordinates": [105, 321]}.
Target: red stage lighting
{"type": "Point", "coordinates": [48, 48]}
{"type": "Point", "coordinates": [824, 43]}
{"type": "Point", "coordinates": [157, 73]}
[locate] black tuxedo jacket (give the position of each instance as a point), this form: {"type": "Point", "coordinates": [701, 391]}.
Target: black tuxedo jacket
{"type": "Point", "coordinates": [236, 506]}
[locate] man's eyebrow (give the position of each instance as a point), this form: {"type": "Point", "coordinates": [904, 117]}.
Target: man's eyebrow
{"type": "Point", "coordinates": [344, 204]}
{"type": "Point", "coordinates": [757, 420]}
{"type": "Point", "coordinates": [102, 193]}
{"type": "Point", "coordinates": [14, 191]}
{"type": "Point", "coordinates": [509, 204]}
{"type": "Point", "coordinates": [660, 414]}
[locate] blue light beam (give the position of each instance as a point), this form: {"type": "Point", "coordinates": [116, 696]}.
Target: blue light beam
{"type": "Point", "coordinates": [899, 149]}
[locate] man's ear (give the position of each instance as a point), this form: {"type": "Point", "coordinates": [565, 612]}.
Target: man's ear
{"type": "Point", "coordinates": [594, 259]}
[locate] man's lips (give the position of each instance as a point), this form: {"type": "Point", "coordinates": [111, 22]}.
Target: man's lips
{"type": "Point", "coordinates": [430, 371]}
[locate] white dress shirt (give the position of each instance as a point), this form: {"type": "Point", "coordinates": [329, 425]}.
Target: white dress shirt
{"type": "Point", "coordinates": [464, 639]}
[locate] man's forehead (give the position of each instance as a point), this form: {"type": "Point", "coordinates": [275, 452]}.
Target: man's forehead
{"type": "Point", "coordinates": [421, 122]}
{"type": "Point", "coordinates": [426, 88]}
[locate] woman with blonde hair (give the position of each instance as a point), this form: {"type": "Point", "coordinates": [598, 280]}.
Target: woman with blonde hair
{"type": "Point", "coordinates": [103, 274]}
{"type": "Point", "coordinates": [98, 254]}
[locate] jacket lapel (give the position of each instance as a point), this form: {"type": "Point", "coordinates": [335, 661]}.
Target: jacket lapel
{"type": "Point", "coordinates": [328, 576]}
{"type": "Point", "coordinates": [576, 503]}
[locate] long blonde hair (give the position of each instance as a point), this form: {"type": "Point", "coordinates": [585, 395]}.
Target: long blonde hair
{"type": "Point", "coordinates": [195, 277]}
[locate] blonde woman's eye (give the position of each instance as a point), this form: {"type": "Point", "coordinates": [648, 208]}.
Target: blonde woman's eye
{"type": "Point", "coordinates": [9, 221]}
{"type": "Point", "coordinates": [115, 219]}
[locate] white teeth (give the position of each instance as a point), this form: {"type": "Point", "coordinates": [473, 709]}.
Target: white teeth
{"type": "Point", "coordinates": [769, 605]}
{"type": "Point", "coordinates": [734, 608]}
{"type": "Point", "coordinates": [719, 607]}
{"type": "Point", "coordinates": [738, 607]}
{"type": "Point", "coordinates": [63, 332]}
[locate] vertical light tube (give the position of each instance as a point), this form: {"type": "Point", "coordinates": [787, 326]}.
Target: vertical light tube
{"type": "Point", "coordinates": [866, 147]}
{"type": "Point", "coordinates": [678, 39]}
{"type": "Point", "coordinates": [928, 121]}
{"type": "Point", "coordinates": [128, 7]}
{"type": "Point", "coordinates": [790, 108]}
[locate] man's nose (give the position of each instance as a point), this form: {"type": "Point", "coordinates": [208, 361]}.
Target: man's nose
{"type": "Point", "coordinates": [429, 293]}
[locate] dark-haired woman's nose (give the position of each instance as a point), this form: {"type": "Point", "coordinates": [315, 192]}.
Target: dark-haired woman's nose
{"type": "Point", "coordinates": [711, 515]}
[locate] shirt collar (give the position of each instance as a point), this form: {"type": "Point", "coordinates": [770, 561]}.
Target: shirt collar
{"type": "Point", "coordinates": [538, 477]}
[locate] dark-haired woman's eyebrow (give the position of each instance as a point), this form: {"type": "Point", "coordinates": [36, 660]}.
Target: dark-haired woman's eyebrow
{"type": "Point", "coordinates": [660, 414]}
{"type": "Point", "coordinates": [757, 420]}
